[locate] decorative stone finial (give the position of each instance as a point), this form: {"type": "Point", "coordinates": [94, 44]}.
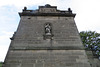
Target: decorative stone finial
{"type": "Point", "coordinates": [69, 9]}
{"type": "Point", "coordinates": [25, 8]}
{"type": "Point", "coordinates": [47, 5]}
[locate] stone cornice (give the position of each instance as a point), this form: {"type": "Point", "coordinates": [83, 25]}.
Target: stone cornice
{"type": "Point", "coordinates": [47, 10]}
{"type": "Point", "coordinates": [47, 14]}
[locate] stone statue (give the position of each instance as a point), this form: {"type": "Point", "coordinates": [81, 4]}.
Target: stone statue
{"type": "Point", "coordinates": [48, 29]}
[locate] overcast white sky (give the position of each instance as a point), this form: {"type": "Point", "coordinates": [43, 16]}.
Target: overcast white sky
{"type": "Point", "coordinates": [87, 16]}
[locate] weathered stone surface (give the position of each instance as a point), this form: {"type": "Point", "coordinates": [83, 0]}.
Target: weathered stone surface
{"type": "Point", "coordinates": [47, 58]}
{"type": "Point", "coordinates": [63, 48]}
{"type": "Point", "coordinates": [30, 33]}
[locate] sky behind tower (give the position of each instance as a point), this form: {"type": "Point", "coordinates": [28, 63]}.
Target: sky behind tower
{"type": "Point", "coordinates": [87, 16]}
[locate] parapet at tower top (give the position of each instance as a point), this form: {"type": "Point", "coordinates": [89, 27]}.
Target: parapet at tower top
{"type": "Point", "coordinates": [47, 10]}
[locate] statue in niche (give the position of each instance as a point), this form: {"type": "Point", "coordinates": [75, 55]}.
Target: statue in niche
{"type": "Point", "coordinates": [48, 29]}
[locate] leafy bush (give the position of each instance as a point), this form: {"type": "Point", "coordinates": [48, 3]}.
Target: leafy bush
{"type": "Point", "coordinates": [91, 41]}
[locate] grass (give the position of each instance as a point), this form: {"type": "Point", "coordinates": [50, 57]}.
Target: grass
{"type": "Point", "coordinates": [1, 64]}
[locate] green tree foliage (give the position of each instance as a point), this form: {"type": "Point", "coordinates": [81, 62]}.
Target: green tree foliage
{"type": "Point", "coordinates": [91, 41]}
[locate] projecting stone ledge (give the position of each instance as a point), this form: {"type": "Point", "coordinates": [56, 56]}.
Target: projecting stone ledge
{"type": "Point", "coordinates": [48, 48]}
{"type": "Point", "coordinates": [47, 10]}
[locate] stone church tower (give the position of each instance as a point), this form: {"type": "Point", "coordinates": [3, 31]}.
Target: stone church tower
{"type": "Point", "coordinates": [46, 37]}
